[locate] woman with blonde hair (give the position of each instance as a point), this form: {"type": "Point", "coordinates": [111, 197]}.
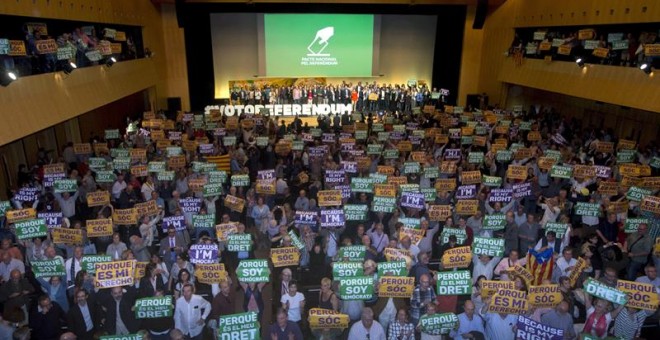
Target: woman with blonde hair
{"type": "Point", "coordinates": [327, 297]}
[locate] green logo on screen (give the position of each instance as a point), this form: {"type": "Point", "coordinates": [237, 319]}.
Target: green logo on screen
{"type": "Point", "coordinates": [316, 56]}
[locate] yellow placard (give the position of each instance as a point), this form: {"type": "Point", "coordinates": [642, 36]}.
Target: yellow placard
{"type": "Point", "coordinates": [544, 296]}
{"type": "Point", "coordinates": [545, 46]}
{"type": "Point", "coordinates": [534, 136]}
{"type": "Point", "coordinates": [101, 148]}
{"type": "Point", "coordinates": [56, 168]}
{"type": "Point", "coordinates": [176, 162]}
{"type": "Point", "coordinates": [147, 208]}
{"type": "Point", "coordinates": [467, 207]}
{"type": "Point", "coordinates": [438, 212]}
{"type": "Point", "coordinates": [479, 140]}
{"type": "Point", "coordinates": [652, 50]}
{"type": "Point", "coordinates": [189, 145]}
{"type": "Point", "coordinates": [396, 254]}
{"type": "Point", "coordinates": [418, 156]}
{"type": "Point", "coordinates": [577, 270]}
{"type": "Point", "coordinates": [140, 270]}
{"type": "Point", "coordinates": [99, 227]}
{"type": "Point", "coordinates": [234, 203]}
{"type": "Point", "coordinates": [523, 273]}
{"type": "Point", "coordinates": [584, 171]}
{"type": "Point", "coordinates": [471, 177]}
{"type": "Point", "coordinates": [284, 257]}
{"type": "Point", "coordinates": [17, 48]}
{"type": "Point", "coordinates": [266, 186]}
{"type": "Point", "coordinates": [522, 153]}
{"type": "Point", "coordinates": [415, 235]}
{"type": "Point", "coordinates": [586, 34]}
{"type": "Point", "coordinates": [328, 198]}
{"type": "Point", "coordinates": [651, 204]}
{"type": "Point", "coordinates": [608, 188]}
{"type": "Point", "coordinates": [652, 183]}
{"type": "Point", "coordinates": [320, 318]}
{"type": "Point", "coordinates": [601, 52]}
{"type": "Point", "coordinates": [441, 139]}
{"type": "Point", "coordinates": [643, 295]}
{"type": "Point", "coordinates": [139, 170]}
{"type": "Point", "coordinates": [546, 163]}
{"type": "Point", "coordinates": [210, 273]}
{"type": "Point", "coordinates": [396, 287]}
{"type": "Point", "coordinates": [196, 184]}
{"type": "Point", "coordinates": [125, 216]}
{"type": "Point", "coordinates": [629, 169]}
{"type": "Point", "coordinates": [138, 155]}
{"type": "Point", "coordinates": [66, 235]}
{"type": "Point", "coordinates": [158, 135]}
{"type": "Point", "coordinates": [114, 274]}
{"type": "Point", "coordinates": [445, 184]}
{"type": "Point", "coordinates": [98, 198]}
{"type": "Point", "coordinates": [629, 181]}
{"type": "Point", "coordinates": [517, 172]}
{"type": "Point", "coordinates": [222, 231]}
{"type": "Point", "coordinates": [404, 146]}
{"type": "Point", "coordinates": [18, 215]}
{"type": "Point", "coordinates": [387, 170]}
{"type": "Point", "coordinates": [385, 190]}
{"type": "Point", "coordinates": [459, 257]}
{"type": "Point", "coordinates": [397, 180]}
{"type": "Point", "coordinates": [489, 287]}
{"type": "Point", "coordinates": [508, 301]}
{"type": "Point", "coordinates": [564, 50]}
{"type": "Point", "coordinates": [605, 147]}
{"type": "Point", "coordinates": [82, 148]}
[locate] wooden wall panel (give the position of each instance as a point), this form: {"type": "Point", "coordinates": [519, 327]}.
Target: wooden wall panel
{"type": "Point", "coordinates": [48, 99]}
{"type": "Point", "coordinates": [177, 69]}
{"type": "Point", "coordinates": [111, 116]}
{"type": "Point", "coordinates": [470, 58]}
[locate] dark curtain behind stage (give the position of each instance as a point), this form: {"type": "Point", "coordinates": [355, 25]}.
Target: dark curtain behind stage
{"type": "Point", "coordinates": [195, 18]}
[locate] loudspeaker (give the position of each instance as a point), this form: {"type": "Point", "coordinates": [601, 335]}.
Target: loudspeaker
{"type": "Point", "coordinates": [174, 104]}
{"type": "Point", "coordinates": [180, 18]}
{"type": "Point", "coordinates": [480, 15]}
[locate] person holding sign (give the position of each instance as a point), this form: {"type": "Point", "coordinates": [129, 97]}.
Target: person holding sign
{"type": "Point", "coordinates": [468, 322]}
{"type": "Point", "coordinates": [599, 316]}
{"type": "Point", "coordinates": [498, 326]}
{"type": "Point", "coordinates": [628, 324]}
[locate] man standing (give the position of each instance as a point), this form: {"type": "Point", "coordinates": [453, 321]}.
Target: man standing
{"type": "Point", "coordinates": [191, 311]}
{"type": "Point", "coordinates": [560, 318]}
{"type": "Point", "coordinates": [422, 295]}
{"type": "Point", "coordinates": [367, 328]}
{"type": "Point", "coordinates": [119, 318]}
{"type": "Point", "coordinates": [47, 319]}
{"type": "Point", "coordinates": [468, 322]}
{"type": "Point", "coordinates": [639, 247]}
{"type": "Point", "coordinates": [83, 317]}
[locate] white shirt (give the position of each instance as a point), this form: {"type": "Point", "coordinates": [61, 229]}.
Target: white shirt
{"type": "Point", "coordinates": [294, 305]}
{"type": "Point", "coordinates": [117, 189]}
{"type": "Point", "coordinates": [498, 328]}
{"type": "Point", "coordinates": [6, 269]}
{"type": "Point", "coordinates": [188, 313]}
{"type": "Point", "coordinates": [358, 331]}
{"type": "Point", "coordinates": [67, 269]}
{"type": "Point", "coordinates": [484, 269]}
{"type": "Point", "coordinates": [563, 265]}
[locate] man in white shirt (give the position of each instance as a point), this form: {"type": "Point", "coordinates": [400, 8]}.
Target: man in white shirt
{"type": "Point", "coordinates": [118, 187]}
{"type": "Point", "coordinates": [566, 262]}
{"type": "Point", "coordinates": [191, 311]}
{"type": "Point", "coordinates": [484, 265]}
{"type": "Point", "coordinates": [367, 328]}
{"type": "Point", "coordinates": [378, 237]}
{"type": "Point", "coordinates": [8, 264]}
{"type": "Point", "coordinates": [508, 263]}
{"type": "Point", "coordinates": [651, 277]}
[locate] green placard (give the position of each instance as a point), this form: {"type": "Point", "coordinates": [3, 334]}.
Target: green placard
{"type": "Point", "coordinates": [383, 136]}
{"type": "Point", "coordinates": [262, 141]}
{"type": "Point", "coordinates": [119, 153]}
{"type": "Point", "coordinates": [112, 134]}
{"type": "Point", "coordinates": [504, 155]}
{"type": "Point", "coordinates": [410, 222]}
{"type": "Point", "coordinates": [632, 224]}
{"type": "Point", "coordinates": [121, 163]}
{"type": "Point", "coordinates": [414, 187]}
{"type": "Point", "coordinates": [554, 154]}
{"type": "Point", "coordinates": [603, 291]}
{"type": "Point", "coordinates": [558, 228]}
{"type": "Point", "coordinates": [165, 175]}
{"type": "Point", "coordinates": [374, 149]}
{"type": "Point", "coordinates": [431, 172]}
{"type": "Point", "coordinates": [240, 180]}
{"type": "Point", "coordinates": [476, 157]}
{"type": "Point", "coordinates": [213, 189]}
{"type": "Point", "coordinates": [355, 212]}
{"type": "Point", "coordinates": [239, 242]}
{"type": "Point", "coordinates": [203, 221]}
{"type": "Point", "coordinates": [655, 162]}
{"type": "Point", "coordinates": [494, 222]}
{"type": "Point", "coordinates": [31, 228]}
{"type": "Point", "coordinates": [156, 166]}
{"type": "Point", "coordinates": [491, 181]}
{"type": "Point", "coordinates": [47, 268]}
{"type": "Point", "coordinates": [316, 132]}
{"type": "Point", "coordinates": [394, 268]}
{"type": "Point", "coordinates": [461, 236]}
{"type": "Point", "coordinates": [378, 127]}
{"type": "Point", "coordinates": [4, 206]}
{"type": "Point", "coordinates": [97, 163]}
{"type": "Point", "coordinates": [411, 168]}
{"type": "Point", "coordinates": [525, 126]}
{"type": "Point", "coordinates": [378, 178]}
{"type": "Point", "coordinates": [253, 271]}
{"type": "Point", "coordinates": [587, 209]}
{"type": "Point", "coordinates": [65, 185]}
{"type": "Point", "coordinates": [153, 307]}
{"type": "Point", "coordinates": [229, 140]}
{"type": "Point", "coordinates": [171, 151]}
{"type": "Point", "coordinates": [360, 134]}
{"type": "Point", "coordinates": [383, 204]}
{"type": "Point", "coordinates": [437, 324]}
{"type": "Point", "coordinates": [488, 246]}
{"type": "Point", "coordinates": [217, 176]}
{"type": "Point", "coordinates": [362, 185]}
{"type": "Point", "coordinates": [356, 288]}
{"type": "Point", "coordinates": [625, 156]}
{"type": "Point", "coordinates": [454, 283]}
{"type": "Point", "coordinates": [561, 171]}
{"type": "Point", "coordinates": [239, 326]}
{"type": "Point", "coordinates": [352, 253]}
{"type": "Point", "coordinates": [88, 262]}
{"type": "Point", "coordinates": [391, 154]}
{"type": "Point", "coordinates": [344, 269]}
{"type": "Point", "coordinates": [297, 145]}
{"type": "Point", "coordinates": [295, 240]}
{"type": "Point", "coordinates": [122, 337]}
{"type": "Point", "coordinates": [430, 194]}
{"type": "Point", "coordinates": [636, 194]}
{"type": "Point", "coordinates": [105, 176]}
{"type": "Point", "coordinates": [467, 140]}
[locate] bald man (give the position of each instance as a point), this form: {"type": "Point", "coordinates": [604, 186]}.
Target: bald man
{"type": "Point", "coordinates": [367, 325]}
{"type": "Point", "coordinates": [468, 321]}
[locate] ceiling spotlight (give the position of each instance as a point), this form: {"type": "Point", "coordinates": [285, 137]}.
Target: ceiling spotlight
{"type": "Point", "coordinates": [646, 67]}
{"type": "Point", "coordinates": [67, 68]}
{"type": "Point", "coordinates": [580, 62]}
{"type": "Point", "coordinates": [6, 77]}
{"type": "Point", "coordinates": [110, 61]}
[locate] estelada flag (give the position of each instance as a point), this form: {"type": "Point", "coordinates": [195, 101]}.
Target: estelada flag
{"type": "Point", "coordinates": [540, 264]}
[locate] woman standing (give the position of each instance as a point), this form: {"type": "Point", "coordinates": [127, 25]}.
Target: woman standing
{"type": "Point", "coordinates": [252, 299]}
{"type": "Point", "coordinates": [327, 297]}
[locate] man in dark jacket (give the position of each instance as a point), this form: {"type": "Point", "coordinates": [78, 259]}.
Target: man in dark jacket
{"type": "Point", "coordinates": [119, 318]}
{"type": "Point", "coordinates": [83, 317]}
{"type": "Point", "coordinates": [46, 319]}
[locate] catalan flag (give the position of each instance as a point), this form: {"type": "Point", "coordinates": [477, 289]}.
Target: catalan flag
{"type": "Point", "coordinates": [221, 162]}
{"type": "Point", "coordinates": [540, 264]}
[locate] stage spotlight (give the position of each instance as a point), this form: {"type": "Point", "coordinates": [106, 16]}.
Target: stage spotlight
{"type": "Point", "coordinates": [110, 61]}
{"type": "Point", "coordinates": [6, 77]}
{"type": "Point", "coordinates": [67, 68]}
{"type": "Point", "coordinates": [580, 62]}
{"type": "Point", "coordinates": [646, 67]}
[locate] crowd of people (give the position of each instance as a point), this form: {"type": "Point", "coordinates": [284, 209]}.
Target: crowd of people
{"type": "Point", "coordinates": [381, 226]}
